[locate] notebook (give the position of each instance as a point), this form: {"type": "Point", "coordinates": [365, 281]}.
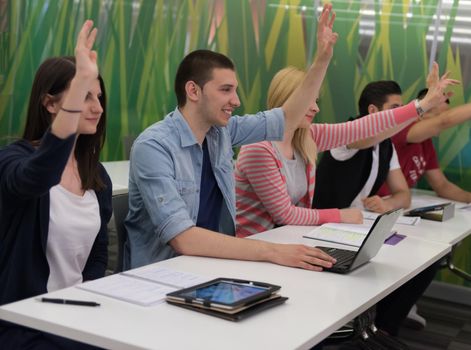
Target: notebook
{"type": "Point", "coordinates": [348, 260]}
{"type": "Point", "coordinates": [145, 286]}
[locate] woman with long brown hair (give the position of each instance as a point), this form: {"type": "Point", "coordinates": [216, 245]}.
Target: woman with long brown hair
{"type": "Point", "coordinates": [55, 196]}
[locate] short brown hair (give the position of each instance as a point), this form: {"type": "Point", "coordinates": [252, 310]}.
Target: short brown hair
{"type": "Point", "coordinates": [198, 66]}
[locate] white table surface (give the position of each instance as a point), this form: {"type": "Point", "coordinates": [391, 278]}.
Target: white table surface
{"type": "Point", "coordinates": [119, 174]}
{"type": "Point", "coordinates": [319, 303]}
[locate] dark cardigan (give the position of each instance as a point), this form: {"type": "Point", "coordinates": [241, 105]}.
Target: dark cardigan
{"type": "Point", "coordinates": [26, 176]}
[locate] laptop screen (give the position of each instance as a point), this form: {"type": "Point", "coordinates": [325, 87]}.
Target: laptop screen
{"type": "Point", "coordinates": [379, 231]}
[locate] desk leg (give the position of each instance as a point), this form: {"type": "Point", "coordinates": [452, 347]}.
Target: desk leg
{"type": "Point", "coordinates": [456, 270]}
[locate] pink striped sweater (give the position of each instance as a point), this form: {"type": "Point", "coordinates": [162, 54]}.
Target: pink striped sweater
{"type": "Point", "coordinates": [261, 194]}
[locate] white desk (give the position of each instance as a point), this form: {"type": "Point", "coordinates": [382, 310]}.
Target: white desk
{"type": "Point", "coordinates": [319, 303]}
{"type": "Point", "coordinates": [119, 174]}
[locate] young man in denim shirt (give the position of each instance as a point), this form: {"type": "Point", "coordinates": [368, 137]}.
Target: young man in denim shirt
{"type": "Point", "coordinates": [181, 182]}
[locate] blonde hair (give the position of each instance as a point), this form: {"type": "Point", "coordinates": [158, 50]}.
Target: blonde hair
{"type": "Point", "coordinates": [281, 87]}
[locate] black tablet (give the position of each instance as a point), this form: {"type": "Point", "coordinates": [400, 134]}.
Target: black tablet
{"type": "Point", "coordinates": [429, 208]}
{"type": "Point", "coordinates": [224, 293]}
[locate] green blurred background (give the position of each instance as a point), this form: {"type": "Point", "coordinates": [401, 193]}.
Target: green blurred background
{"type": "Point", "coordinates": [141, 42]}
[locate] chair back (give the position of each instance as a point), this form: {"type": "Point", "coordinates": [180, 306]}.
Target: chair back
{"type": "Point", "coordinates": [120, 210]}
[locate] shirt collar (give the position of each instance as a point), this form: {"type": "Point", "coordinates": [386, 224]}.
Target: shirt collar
{"type": "Point", "coordinates": [187, 138]}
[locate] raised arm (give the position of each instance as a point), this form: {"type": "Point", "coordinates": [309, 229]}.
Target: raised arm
{"type": "Point", "coordinates": [27, 174]}
{"type": "Point", "coordinates": [297, 104]}
{"type": "Point", "coordinates": [378, 126]}
{"type": "Point", "coordinates": [68, 116]}
{"type": "Point", "coordinates": [378, 138]}
{"type": "Point", "coordinates": [328, 136]}
{"type": "Point", "coordinates": [433, 126]}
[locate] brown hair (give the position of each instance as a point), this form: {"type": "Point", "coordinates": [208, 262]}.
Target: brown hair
{"type": "Point", "coordinates": [53, 78]}
{"type": "Point", "coordinates": [198, 66]}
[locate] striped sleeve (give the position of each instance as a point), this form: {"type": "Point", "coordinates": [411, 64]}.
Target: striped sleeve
{"type": "Point", "coordinates": [261, 169]}
{"type": "Point", "coordinates": [328, 136]}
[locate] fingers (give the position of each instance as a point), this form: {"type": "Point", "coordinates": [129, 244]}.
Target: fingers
{"type": "Point", "coordinates": [84, 32]}
{"type": "Point", "coordinates": [307, 266]}
{"type": "Point", "coordinates": [315, 256]}
{"type": "Point", "coordinates": [447, 82]}
{"type": "Point", "coordinates": [432, 77]}
{"type": "Point", "coordinates": [322, 18]}
{"type": "Point", "coordinates": [314, 259]}
{"type": "Point", "coordinates": [334, 37]}
{"type": "Point", "coordinates": [302, 256]}
{"type": "Point", "coordinates": [444, 76]}
{"type": "Point", "coordinates": [434, 70]}
{"type": "Point", "coordinates": [332, 20]}
{"type": "Point", "coordinates": [93, 56]}
{"type": "Point", "coordinates": [91, 38]}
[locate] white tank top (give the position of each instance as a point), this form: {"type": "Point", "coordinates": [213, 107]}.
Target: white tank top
{"type": "Point", "coordinates": [74, 222]}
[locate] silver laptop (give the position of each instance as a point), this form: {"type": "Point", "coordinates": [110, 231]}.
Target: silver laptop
{"type": "Point", "coordinates": [348, 260]}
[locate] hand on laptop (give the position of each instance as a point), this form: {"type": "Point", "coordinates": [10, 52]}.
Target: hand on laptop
{"type": "Point", "coordinates": [297, 255]}
{"type": "Point", "coordinates": [351, 216]}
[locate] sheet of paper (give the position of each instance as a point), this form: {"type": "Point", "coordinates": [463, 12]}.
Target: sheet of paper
{"type": "Point", "coordinates": [130, 289]}
{"type": "Point", "coordinates": [362, 228]}
{"type": "Point", "coordinates": [169, 277]}
{"type": "Point", "coordinates": [352, 235]}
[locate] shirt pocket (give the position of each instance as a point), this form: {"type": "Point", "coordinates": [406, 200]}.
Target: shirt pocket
{"type": "Point", "coordinates": [188, 192]}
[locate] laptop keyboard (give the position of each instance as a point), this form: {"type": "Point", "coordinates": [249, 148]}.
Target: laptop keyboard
{"type": "Point", "coordinates": [343, 256]}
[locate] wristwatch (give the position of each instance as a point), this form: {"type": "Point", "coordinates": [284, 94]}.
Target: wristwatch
{"type": "Point", "coordinates": [418, 108]}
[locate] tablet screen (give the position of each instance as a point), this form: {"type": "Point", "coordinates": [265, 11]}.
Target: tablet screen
{"type": "Point", "coordinates": [224, 292]}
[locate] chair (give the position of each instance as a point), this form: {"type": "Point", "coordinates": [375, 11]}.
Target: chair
{"type": "Point", "coordinates": [120, 210]}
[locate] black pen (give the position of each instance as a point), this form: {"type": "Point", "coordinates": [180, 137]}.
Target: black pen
{"type": "Point", "coordinates": [69, 302]}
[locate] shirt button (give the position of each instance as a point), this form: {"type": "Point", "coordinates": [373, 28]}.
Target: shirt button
{"type": "Point", "coordinates": [197, 191]}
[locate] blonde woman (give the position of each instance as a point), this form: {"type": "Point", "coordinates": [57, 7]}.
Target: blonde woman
{"type": "Point", "coordinates": [275, 180]}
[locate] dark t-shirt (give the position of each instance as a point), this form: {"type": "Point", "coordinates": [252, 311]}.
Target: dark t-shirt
{"type": "Point", "coordinates": [209, 212]}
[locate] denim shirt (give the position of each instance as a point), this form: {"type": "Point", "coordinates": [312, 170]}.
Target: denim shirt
{"type": "Point", "coordinates": [165, 177]}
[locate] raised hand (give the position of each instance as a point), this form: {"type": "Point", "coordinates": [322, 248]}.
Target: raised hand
{"type": "Point", "coordinates": [436, 93]}
{"type": "Point", "coordinates": [86, 72]}
{"type": "Point", "coordinates": [326, 38]}
{"type": "Point", "coordinates": [433, 77]}
{"type": "Point", "coordinates": [86, 58]}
